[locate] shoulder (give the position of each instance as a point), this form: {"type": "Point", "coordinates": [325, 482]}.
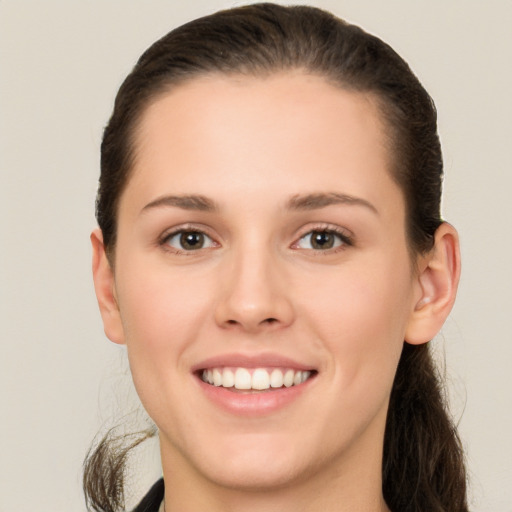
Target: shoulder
{"type": "Point", "coordinates": [153, 499]}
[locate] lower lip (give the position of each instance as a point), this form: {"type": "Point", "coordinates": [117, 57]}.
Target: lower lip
{"type": "Point", "coordinates": [256, 403]}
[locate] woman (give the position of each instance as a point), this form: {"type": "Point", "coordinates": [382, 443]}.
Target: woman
{"type": "Point", "coordinates": [270, 250]}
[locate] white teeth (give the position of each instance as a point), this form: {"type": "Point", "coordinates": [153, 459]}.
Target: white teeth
{"type": "Point", "coordinates": [242, 379]}
{"type": "Point", "coordinates": [260, 379]}
{"type": "Point", "coordinates": [217, 377]}
{"type": "Point", "coordinates": [257, 379]}
{"type": "Point", "coordinates": [228, 378]}
{"type": "Point", "coordinates": [276, 379]}
{"type": "Point", "coordinates": [288, 378]}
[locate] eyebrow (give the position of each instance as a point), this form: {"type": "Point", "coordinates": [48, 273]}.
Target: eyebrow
{"type": "Point", "coordinates": [297, 202]}
{"type": "Point", "coordinates": [187, 202]}
{"type": "Point", "coordinates": [321, 200]}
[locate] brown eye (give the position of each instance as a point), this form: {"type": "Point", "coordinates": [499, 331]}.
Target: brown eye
{"type": "Point", "coordinates": [189, 241]}
{"type": "Point", "coordinates": [322, 240]}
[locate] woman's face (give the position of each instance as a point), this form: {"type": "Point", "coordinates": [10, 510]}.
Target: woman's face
{"type": "Point", "coordinates": [261, 241]}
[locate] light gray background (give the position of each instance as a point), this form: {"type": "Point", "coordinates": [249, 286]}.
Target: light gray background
{"type": "Point", "coordinates": [60, 380]}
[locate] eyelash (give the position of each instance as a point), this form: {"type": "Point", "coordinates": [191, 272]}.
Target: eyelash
{"type": "Point", "coordinates": [345, 239]}
{"type": "Point", "coordinates": [167, 236]}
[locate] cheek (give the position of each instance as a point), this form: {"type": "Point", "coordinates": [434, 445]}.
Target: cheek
{"type": "Point", "coordinates": [162, 314]}
{"type": "Point", "coordinates": [360, 317]}
{"type": "Point", "coordinates": [157, 301]}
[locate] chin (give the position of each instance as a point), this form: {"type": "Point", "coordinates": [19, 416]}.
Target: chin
{"type": "Point", "coordinates": [256, 474]}
{"type": "Point", "coordinates": [250, 462]}
{"type": "Point", "coordinates": [274, 463]}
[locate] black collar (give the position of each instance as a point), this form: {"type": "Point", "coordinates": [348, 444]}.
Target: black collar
{"type": "Point", "coordinates": [153, 499]}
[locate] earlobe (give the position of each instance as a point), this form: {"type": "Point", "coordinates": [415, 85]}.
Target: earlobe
{"type": "Point", "coordinates": [104, 285]}
{"type": "Point", "coordinates": [438, 280]}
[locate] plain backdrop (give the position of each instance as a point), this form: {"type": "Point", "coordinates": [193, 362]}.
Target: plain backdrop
{"type": "Point", "coordinates": [61, 381]}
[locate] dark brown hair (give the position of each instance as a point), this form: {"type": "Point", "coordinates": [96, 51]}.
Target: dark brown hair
{"type": "Point", "coordinates": [423, 464]}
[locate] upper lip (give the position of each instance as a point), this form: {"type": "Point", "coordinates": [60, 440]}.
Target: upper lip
{"type": "Point", "coordinates": [252, 361]}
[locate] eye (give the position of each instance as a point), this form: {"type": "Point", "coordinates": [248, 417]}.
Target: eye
{"type": "Point", "coordinates": [188, 240]}
{"type": "Point", "coordinates": [322, 240]}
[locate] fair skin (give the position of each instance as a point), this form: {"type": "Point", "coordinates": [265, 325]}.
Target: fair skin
{"type": "Point", "coordinates": [297, 260]}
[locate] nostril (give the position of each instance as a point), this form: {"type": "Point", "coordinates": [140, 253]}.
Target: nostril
{"type": "Point", "coordinates": [266, 321]}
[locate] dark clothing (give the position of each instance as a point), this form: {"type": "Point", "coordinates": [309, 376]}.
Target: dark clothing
{"type": "Point", "coordinates": [153, 499]}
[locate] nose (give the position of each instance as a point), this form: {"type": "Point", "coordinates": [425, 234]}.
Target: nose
{"type": "Point", "coordinates": [254, 293]}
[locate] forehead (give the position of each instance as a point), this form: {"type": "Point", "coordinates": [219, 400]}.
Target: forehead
{"type": "Point", "coordinates": [289, 131]}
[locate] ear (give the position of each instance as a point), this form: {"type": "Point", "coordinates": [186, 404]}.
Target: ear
{"type": "Point", "coordinates": [438, 278]}
{"type": "Point", "coordinates": [104, 285]}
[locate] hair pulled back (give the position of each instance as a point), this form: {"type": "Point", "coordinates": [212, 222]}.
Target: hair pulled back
{"type": "Point", "coordinates": [423, 464]}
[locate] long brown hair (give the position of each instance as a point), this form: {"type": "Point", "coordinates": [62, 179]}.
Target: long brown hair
{"type": "Point", "coordinates": [423, 463]}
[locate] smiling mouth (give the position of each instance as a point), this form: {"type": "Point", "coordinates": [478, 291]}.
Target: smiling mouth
{"type": "Point", "coordinates": [255, 379]}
